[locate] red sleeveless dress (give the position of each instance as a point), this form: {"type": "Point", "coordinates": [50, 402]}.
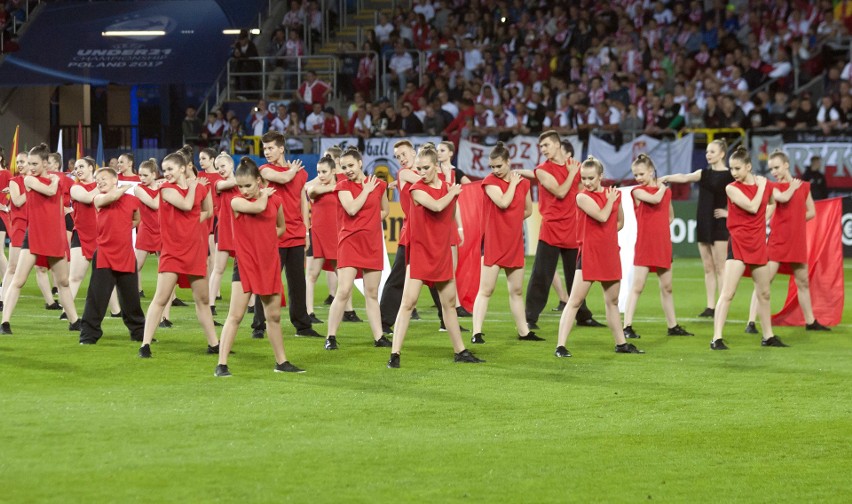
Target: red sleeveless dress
{"type": "Point", "coordinates": [599, 259]}
{"type": "Point", "coordinates": [653, 236]}
{"type": "Point", "coordinates": [360, 236]}
{"type": "Point", "coordinates": [429, 254]}
{"type": "Point", "coordinates": [748, 232]}
{"type": "Point", "coordinates": [86, 223]}
{"type": "Point", "coordinates": [225, 229]}
{"type": "Point", "coordinates": [213, 177]}
{"type": "Point", "coordinates": [46, 223]}
{"type": "Point", "coordinates": [503, 230]}
{"type": "Point", "coordinates": [256, 243]}
{"type": "Point", "coordinates": [148, 236]}
{"type": "Point", "coordinates": [18, 215]}
{"type": "Point", "coordinates": [184, 237]}
{"type": "Point", "coordinates": [404, 205]}
{"type": "Point", "coordinates": [787, 238]}
{"type": "Point", "coordinates": [324, 215]}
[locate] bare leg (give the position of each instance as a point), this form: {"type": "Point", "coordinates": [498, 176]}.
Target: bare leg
{"type": "Point", "coordinates": [43, 282]}
{"type": "Point", "coordinates": [371, 299]}
{"type": "Point", "coordinates": [515, 281]}
{"type": "Point", "coordinates": [559, 288]}
{"type": "Point", "coordinates": [165, 287]}
{"type": "Point", "coordinates": [487, 282]}
{"type": "Point", "coordinates": [761, 277]}
{"type": "Point", "coordinates": [272, 309]}
{"type": "Point", "coordinates": [26, 261]}
{"type": "Point", "coordinates": [579, 291]}
{"type": "Point", "coordinates": [752, 309]}
{"type": "Point", "coordinates": [720, 255]}
{"type": "Point", "coordinates": [455, 251]}
{"type": "Point", "coordinates": [200, 293]}
{"type": "Point", "coordinates": [219, 263]}
{"type": "Point", "coordinates": [733, 272]}
{"type": "Point", "coordinates": [800, 274]}
{"type": "Point", "coordinates": [79, 267]}
{"type": "Point", "coordinates": [410, 293]}
{"type": "Point", "coordinates": [613, 318]}
{"type": "Point", "coordinates": [447, 294]}
{"type": "Point", "coordinates": [3, 262]}
{"type": "Point", "coordinates": [59, 268]}
{"type": "Point", "coordinates": [640, 275]}
{"type": "Point", "coordinates": [666, 297]}
{"type": "Point", "coordinates": [141, 256]}
{"type": "Point", "coordinates": [331, 280]}
{"type": "Point", "coordinates": [11, 266]}
{"type": "Point", "coordinates": [236, 312]}
{"type": "Point", "coordinates": [114, 307]}
{"type": "Point", "coordinates": [346, 277]}
{"type": "Point", "coordinates": [706, 252]}
{"type": "Point", "coordinates": [314, 270]}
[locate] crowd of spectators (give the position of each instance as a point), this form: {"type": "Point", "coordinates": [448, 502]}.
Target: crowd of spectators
{"type": "Point", "coordinates": [492, 69]}
{"type": "Point", "coordinates": [13, 15]}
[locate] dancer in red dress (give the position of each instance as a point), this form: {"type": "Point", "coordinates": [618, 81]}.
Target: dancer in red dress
{"type": "Point", "coordinates": [363, 207]}
{"type": "Point", "coordinates": [206, 159]}
{"type": "Point", "coordinates": [429, 258]}
{"type": "Point", "coordinates": [226, 189]}
{"type": "Point", "coordinates": [506, 204]}
{"type": "Point", "coordinates": [601, 219]}
{"type": "Point", "coordinates": [115, 264]}
{"type": "Point", "coordinates": [652, 202]}
{"type": "Point", "coordinates": [126, 171]}
{"type": "Point", "coordinates": [184, 250]}
{"type": "Point", "coordinates": [748, 197]}
{"type": "Point", "coordinates": [45, 241]}
{"type": "Point", "coordinates": [258, 225]}
{"type": "Point", "coordinates": [453, 175]}
{"type": "Point", "coordinates": [793, 207]}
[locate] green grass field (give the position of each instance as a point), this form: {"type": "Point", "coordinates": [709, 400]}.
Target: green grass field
{"type": "Point", "coordinates": [679, 424]}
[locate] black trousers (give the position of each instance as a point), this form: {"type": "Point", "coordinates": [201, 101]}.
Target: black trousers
{"type": "Point", "coordinates": [392, 292]}
{"type": "Point", "coordinates": [97, 301]}
{"type": "Point", "coordinates": [293, 264]}
{"type": "Point", "coordinates": [544, 267]}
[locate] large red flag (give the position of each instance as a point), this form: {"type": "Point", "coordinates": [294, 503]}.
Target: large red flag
{"type": "Point", "coordinates": [470, 252]}
{"type": "Point", "coordinates": [825, 269]}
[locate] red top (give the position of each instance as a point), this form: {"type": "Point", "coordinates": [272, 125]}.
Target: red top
{"type": "Point", "coordinates": [455, 237]}
{"type": "Point", "coordinates": [129, 178]}
{"type": "Point", "coordinates": [404, 205]}
{"type": "Point", "coordinates": [291, 197]}
{"type": "Point", "coordinates": [599, 254]}
{"type": "Point", "coordinates": [184, 237]}
{"type": "Point", "coordinates": [324, 215]}
{"type": "Point", "coordinates": [213, 177]}
{"type": "Point", "coordinates": [748, 232]}
{"type": "Point", "coordinates": [148, 236]}
{"type": "Point", "coordinates": [225, 243]}
{"type": "Point", "coordinates": [86, 223]}
{"type": "Point", "coordinates": [653, 237]}
{"type": "Point", "coordinates": [256, 242]}
{"type": "Point", "coordinates": [360, 236]}
{"type": "Point", "coordinates": [503, 229]}
{"type": "Point", "coordinates": [429, 254]}
{"type": "Point", "coordinates": [786, 240]}
{"type": "Point", "coordinates": [115, 235]}
{"type": "Point", "coordinates": [48, 238]}
{"type": "Point", "coordinates": [18, 215]}
{"type": "Point", "coordinates": [558, 216]}
{"type": "Point", "coordinates": [5, 177]}
{"type": "Point", "coordinates": [65, 185]}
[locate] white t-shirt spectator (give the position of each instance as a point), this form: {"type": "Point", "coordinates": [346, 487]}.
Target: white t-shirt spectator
{"type": "Point", "coordinates": [401, 63]}
{"type": "Point", "coordinates": [280, 125]}
{"type": "Point", "coordinates": [425, 8]}
{"type": "Point", "coordinates": [314, 122]}
{"type": "Point", "coordinates": [383, 32]}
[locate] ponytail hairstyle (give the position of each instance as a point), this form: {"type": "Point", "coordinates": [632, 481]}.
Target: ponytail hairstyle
{"type": "Point", "coordinates": [740, 154]}
{"type": "Point", "coordinates": [450, 146]}
{"type": "Point", "coordinates": [151, 166]}
{"type": "Point", "coordinates": [247, 168]}
{"type": "Point", "coordinates": [188, 153]}
{"type": "Point", "coordinates": [644, 159]}
{"type": "Point", "coordinates": [499, 152]}
{"type": "Point", "coordinates": [352, 151]}
{"type": "Point", "coordinates": [335, 152]}
{"type": "Point", "coordinates": [593, 162]}
{"type": "Point", "coordinates": [227, 158]}
{"type": "Point", "coordinates": [55, 156]}
{"type": "Point", "coordinates": [91, 162]}
{"type": "Point", "coordinates": [722, 143]}
{"type": "Point", "coordinates": [328, 160]}
{"type": "Point", "coordinates": [427, 151]}
{"type": "Point", "coordinates": [778, 153]}
{"type": "Point", "coordinates": [176, 158]}
{"type": "Point", "coordinates": [41, 150]}
{"type": "Point", "coordinates": [210, 151]}
{"type": "Point", "coordinates": [129, 157]}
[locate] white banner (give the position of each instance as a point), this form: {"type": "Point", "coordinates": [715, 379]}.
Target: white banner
{"type": "Point", "coordinates": [523, 154]}
{"type": "Point", "coordinates": [668, 156]}
{"type": "Point", "coordinates": [761, 147]}
{"type": "Point", "coordinates": [378, 152]}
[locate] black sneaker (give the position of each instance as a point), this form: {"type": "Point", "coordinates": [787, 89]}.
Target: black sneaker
{"type": "Point", "coordinates": [217, 324]}
{"type": "Point", "coordinates": [590, 322]}
{"type": "Point", "coordinates": [257, 333]}
{"type": "Point", "coordinates": [629, 333]}
{"type": "Point", "coordinates": [530, 337]}
{"type": "Point", "coordinates": [141, 294]}
{"type": "Point", "coordinates": [677, 330]}
{"type": "Point", "coordinates": [115, 315]}
{"type": "Point", "coordinates": [251, 309]}
{"type": "Point", "coordinates": [328, 300]}
{"type": "Point", "coordinates": [219, 297]}
{"type": "Point", "coordinates": [1, 306]}
{"type": "Point", "coordinates": [222, 371]}
{"type": "Point", "coordinates": [76, 326]}
{"type": "Point", "coordinates": [532, 325]}
{"type": "Point", "coordinates": [331, 343]}
{"type": "Point", "coordinates": [351, 316]}
{"type": "Point", "coordinates": [461, 312]}
{"type": "Point", "coordinates": [54, 306]}
{"type": "Point", "coordinates": [213, 310]}
{"type": "Point", "coordinates": [718, 344]}
{"type": "Point", "coordinates": [54, 290]}
{"type": "Point", "coordinates": [773, 342]}
{"type": "Point", "coordinates": [415, 315]}
{"type": "Point", "coordinates": [477, 339]}
{"type": "Point", "coordinates": [751, 328]}
{"type": "Point", "coordinates": [387, 330]}
{"type": "Point", "coordinates": [145, 351]}
{"type": "Point", "coordinates": [88, 342]}
{"type": "Point", "coordinates": [286, 367]}
{"type": "Point", "coordinates": [708, 312]}
{"type": "Point", "coordinates": [628, 348]}
{"type": "Point", "coordinates": [466, 356]}
{"type": "Point", "coordinates": [382, 342]}
{"type": "Point", "coordinates": [63, 316]}
{"type": "Point", "coordinates": [213, 350]}
{"type": "Point", "coordinates": [308, 333]}
{"type": "Point", "coordinates": [816, 326]}
{"type": "Point", "coordinates": [393, 363]}
{"type": "Point", "coordinates": [5, 328]}
{"type": "Point", "coordinates": [166, 324]}
{"type": "Point", "coordinates": [314, 319]}
{"type": "Point", "coordinates": [561, 351]}
{"type": "Point", "coordinates": [443, 328]}
{"type": "Point", "coordinates": [178, 302]}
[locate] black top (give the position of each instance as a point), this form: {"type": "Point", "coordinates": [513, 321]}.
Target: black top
{"type": "Point", "coordinates": [819, 187]}
{"type": "Point", "coordinates": [711, 195]}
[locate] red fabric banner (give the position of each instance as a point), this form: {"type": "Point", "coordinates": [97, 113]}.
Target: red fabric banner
{"type": "Point", "coordinates": [825, 269]}
{"type": "Point", "coordinates": [470, 251]}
